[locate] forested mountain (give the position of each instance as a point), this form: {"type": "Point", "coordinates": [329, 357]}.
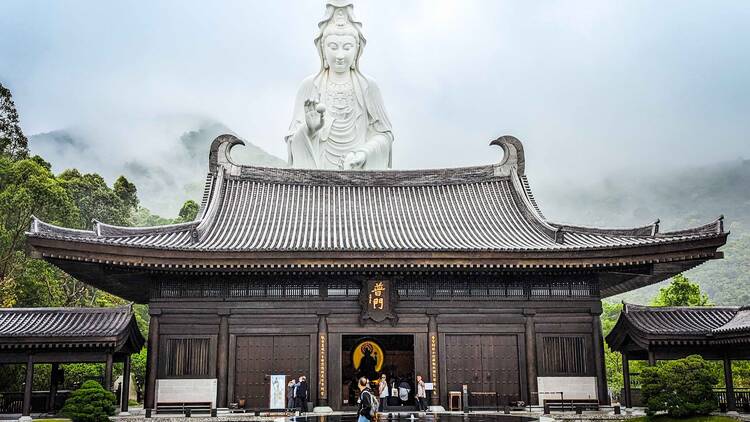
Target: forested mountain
{"type": "Point", "coordinates": [172, 170]}
{"type": "Point", "coordinates": [682, 198]}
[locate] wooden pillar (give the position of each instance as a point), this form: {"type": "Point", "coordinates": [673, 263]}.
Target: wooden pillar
{"type": "Point", "coordinates": [531, 370]}
{"type": "Point", "coordinates": [729, 381]}
{"type": "Point", "coordinates": [152, 359]}
{"type": "Point", "coordinates": [626, 379]}
{"type": "Point", "coordinates": [651, 357]}
{"type": "Point", "coordinates": [601, 372]}
{"type": "Point", "coordinates": [222, 359]}
{"type": "Point", "coordinates": [53, 381]}
{"type": "Point", "coordinates": [322, 359]}
{"type": "Point", "coordinates": [432, 334]}
{"type": "Point", "coordinates": [26, 411]}
{"type": "Point", "coordinates": [125, 386]}
{"type": "Point", "coordinates": [108, 372]}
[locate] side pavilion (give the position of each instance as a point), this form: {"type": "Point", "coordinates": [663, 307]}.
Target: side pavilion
{"type": "Point", "coordinates": [68, 335]}
{"type": "Point", "coordinates": [662, 333]}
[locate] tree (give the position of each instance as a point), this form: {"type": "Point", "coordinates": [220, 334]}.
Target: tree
{"type": "Point", "coordinates": [13, 142]}
{"type": "Point", "coordinates": [90, 403]}
{"type": "Point", "coordinates": [29, 188]}
{"type": "Point", "coordinates": [612, 360]}
{"type": "Point", "coordinates": [127, 192]}
{"type": "Point", "coordinates": [682, 387]}
{"type": "Point", "coordinates": [96, 200]}
{"type": "Point", "coordinates": [189, 211]}
{"type": "Point", "coordinates": [681, 292]}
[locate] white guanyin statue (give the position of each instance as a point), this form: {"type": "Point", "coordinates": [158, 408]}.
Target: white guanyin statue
{"type": "Point", "coordinates": [339, 120]}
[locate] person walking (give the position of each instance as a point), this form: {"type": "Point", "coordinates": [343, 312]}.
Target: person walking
{"type": "Point", "coordinates": [365, 411]}
{"type": "Point", "coordinates": [421, 394]}
{"type": "Point", "coordinates": [290, 394]}
{"type": "Point", "coordinates": [403, 391]}
{"type": "Point", "coordinates": [382, 392]}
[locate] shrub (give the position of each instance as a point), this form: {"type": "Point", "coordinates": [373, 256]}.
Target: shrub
{"type": "Point", "coordinates": [682, 387]}
{"type": "Point", "coordinates": [90, 403]}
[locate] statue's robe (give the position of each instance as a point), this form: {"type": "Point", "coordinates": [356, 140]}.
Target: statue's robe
{"type": "Point", "coordinates": [372, 132]}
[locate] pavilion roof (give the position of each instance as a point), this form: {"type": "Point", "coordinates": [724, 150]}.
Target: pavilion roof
{"type": "Point", "coordinates": [44, 328]}
{"type": "Point", "coordinates": [640, 326]}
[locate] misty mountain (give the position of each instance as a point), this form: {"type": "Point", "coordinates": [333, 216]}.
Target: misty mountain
{"type": "Point", "coordinates": [166, 158]}
{"type": "Point", "coordinates": [684, 198]}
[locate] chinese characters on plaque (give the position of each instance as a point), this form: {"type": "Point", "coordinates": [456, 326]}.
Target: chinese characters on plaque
{"type": "Point", "coordinates": [377, 299]}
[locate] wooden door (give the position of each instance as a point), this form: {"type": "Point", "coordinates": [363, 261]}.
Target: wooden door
{"type": "Point", "coordinates": [463, 362]}
{"type": "Point", "coordinates": [485, 363]}
{"type": "Point", "coordinates": [259, 356]}
{"type": "Point", "coordinates": [500, 366]}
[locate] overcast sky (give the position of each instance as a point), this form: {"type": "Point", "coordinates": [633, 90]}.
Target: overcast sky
{"type": "Point", "coordinates": [588, 86]}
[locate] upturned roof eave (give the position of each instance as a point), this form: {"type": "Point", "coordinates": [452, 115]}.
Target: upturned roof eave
{"type": "Point", "coordinates": [701, 249]}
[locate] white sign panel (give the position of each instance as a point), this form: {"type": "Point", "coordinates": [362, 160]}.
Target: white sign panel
{"type": "Point", "coordinates": [278, 392]}
{"type": "Point", "coordinates": [570, 387]}
{"type": "Point", "coordinates": [428, 386]}
{"type": "Point", "coordinates": [186, 390]}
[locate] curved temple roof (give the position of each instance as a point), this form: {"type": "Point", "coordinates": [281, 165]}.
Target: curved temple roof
{"type": "Point", "coordinates": [488, 208]}
{"type": "Point", "coordinates": [472, 217]}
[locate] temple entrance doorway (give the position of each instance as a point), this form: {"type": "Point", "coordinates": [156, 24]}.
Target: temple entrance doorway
{"type": "Point", "coordinates": [372, 356]}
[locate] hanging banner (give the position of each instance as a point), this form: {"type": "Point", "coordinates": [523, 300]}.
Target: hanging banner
{"type": "Point", "coordinates": [277, 396]}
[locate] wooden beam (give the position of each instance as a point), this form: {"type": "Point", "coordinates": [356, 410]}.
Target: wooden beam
{"type": "Point", "coordinates": [729, 382]}
{"type": "Point", "coordinates": [531, 370]}
{"type": "Point", "coordinates": [26, 411]}
{"type": "Point", "coordinates": [222, 359]}
{"type": "Point", "coordinates": [53, 380]}
{"type": "Point", "coordinates": [152, 360]}
{"type": "Point", "coordinates": [626, 380]}
{"type": "Point", "coordinates": [108, 372]}
{"type": "Point", "coordinates": [125, 386]}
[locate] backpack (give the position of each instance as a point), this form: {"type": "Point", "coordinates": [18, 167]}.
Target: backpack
{"type": "Point", "coordinates": [374, 404]}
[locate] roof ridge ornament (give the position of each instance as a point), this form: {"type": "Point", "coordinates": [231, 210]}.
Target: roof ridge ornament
{"type": "Point", "coordinates": [513, 156]}
{"type": "Point", "coordinates": [219, 155]}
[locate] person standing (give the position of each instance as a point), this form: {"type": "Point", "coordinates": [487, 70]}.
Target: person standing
{"type": "Point", "coordinates": [382, 392]}
{"type": "Point", "coordinates": [421, 394]}
{"type": "Point", "coordinates": [365, 411]}
{"type": "Point", "coordinates": [300, 397]}
{"type": "Point", "coordinates": [290, 394]}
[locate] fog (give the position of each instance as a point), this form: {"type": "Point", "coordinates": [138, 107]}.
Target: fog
{"type": "Point", "coordinates": [592, 88]}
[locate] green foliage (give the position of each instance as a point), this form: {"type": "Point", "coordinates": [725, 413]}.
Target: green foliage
{"type": "Point", "coordinates": [90, 403]}
{"type": "Point", "coordinates": [189, 210]}
{"type": "Point", "coordinates": [127, 192]}
{"type": "Point", "coordinates": [98, 201]}
{"type": "Point", "coordinates": [138, 368]}
{"type": "Point", "coordinates": [682, 387]}
{"type": "Point", "coordinates": [612, 360]}
{"type": "Point", "coordinates": [13, 142]}
{"type": "Point", "coordinates": [29, 188]}
{"type": "Point", "coordinates": [681, 292]}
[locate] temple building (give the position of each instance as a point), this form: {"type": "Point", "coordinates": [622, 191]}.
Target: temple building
{"type": "Point", "coordinates": [453, 274]}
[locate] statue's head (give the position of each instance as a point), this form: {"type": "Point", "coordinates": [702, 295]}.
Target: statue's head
{"type": "Point", "coordinates": [340, 41]}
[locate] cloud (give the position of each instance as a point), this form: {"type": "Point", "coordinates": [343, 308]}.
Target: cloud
{"type": "Point", "coordinates": [588, 86]}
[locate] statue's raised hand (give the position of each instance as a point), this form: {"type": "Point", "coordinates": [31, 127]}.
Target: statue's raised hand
{"type": "Point", "coordinates": [314, 112]}
{"type": "Point", "coordinates": [354, 160]}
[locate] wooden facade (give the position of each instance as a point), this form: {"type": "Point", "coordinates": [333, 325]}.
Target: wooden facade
{"type": "Point", "coordinates": [456, 269]}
